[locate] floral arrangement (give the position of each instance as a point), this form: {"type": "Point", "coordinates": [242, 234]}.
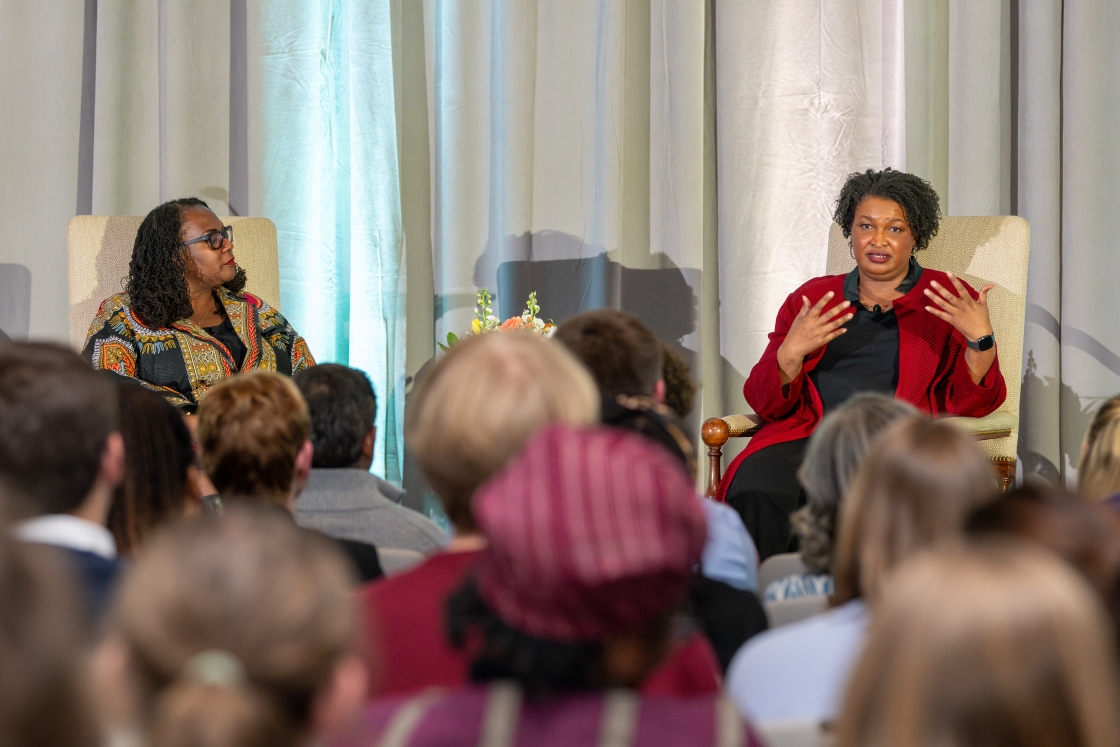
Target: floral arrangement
{"type": "Point", "coordinates": [485, 321]}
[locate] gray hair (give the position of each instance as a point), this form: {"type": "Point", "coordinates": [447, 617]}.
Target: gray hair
{"type": "Point", "coordinates": [834, 454]}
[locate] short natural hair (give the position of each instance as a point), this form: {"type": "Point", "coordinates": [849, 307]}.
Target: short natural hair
{"type": "Point", "coordinates": [1098, 471]}
{"type": "Point", "coordinates": [832, 457]}
{"type": "Point", "coordinates": [913, 194]}
{"type": "Point", "coordinates": [481, 402]}
{"type": "Point", "coordinates": [998, 644]}
{"type": "Point", "coordinates": [251, 427]}
{"type": "Point", "coordinates": [342, 406]}
{"type": "Point", "coordinates": [44, 698]}
{"type": "Point", "coordinates": [158, 454]}
{"type": "Point", "coordinates": [56, 414]}
{"type": "Point", "coordinates": [916, 487]}
{"type": "Point", "coordinates": [255, 587]}
{"type": "Point", "coordinates": [623, 355]}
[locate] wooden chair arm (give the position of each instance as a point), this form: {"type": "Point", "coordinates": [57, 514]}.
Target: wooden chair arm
{"type": "Point", "coordinates": [715, 432]}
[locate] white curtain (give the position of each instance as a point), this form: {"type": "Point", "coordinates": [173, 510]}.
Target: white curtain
{"type": "Point", "coordinates": [813, 97]}
{"type": "Point", "coordinates": [677, 160]}
{"type": "Point", "coordinates": [284, 109]}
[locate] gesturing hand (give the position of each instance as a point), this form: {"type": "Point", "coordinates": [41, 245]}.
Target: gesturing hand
{"type": "Point", "coordinates": [812, 328]}
{"type": "Point", "coordinates": [968, 315]}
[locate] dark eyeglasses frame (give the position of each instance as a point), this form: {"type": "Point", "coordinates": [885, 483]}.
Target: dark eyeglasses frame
{"type": "Point", "coordinates": [224, 235]}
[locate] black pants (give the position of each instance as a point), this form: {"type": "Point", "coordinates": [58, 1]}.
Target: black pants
{"type": "Point", "coordinates": [765, 491]}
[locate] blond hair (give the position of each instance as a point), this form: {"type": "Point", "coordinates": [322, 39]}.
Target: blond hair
{"type": "Point", "coordinates": [482, 401]}
{"type": "Point", "coordinates": [1098, 471]}
{"type": "Point", "coordinates": [273, 598]}
{"type": "Point", "coordinates": [998, 644]}
{"type": "Point", "coordinates": [250, 429]}
{"type": "Point", "coordinates": [916, 486]}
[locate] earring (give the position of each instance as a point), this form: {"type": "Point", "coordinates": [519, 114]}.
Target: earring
{"type": "Point", "coordinates": [852, 250]}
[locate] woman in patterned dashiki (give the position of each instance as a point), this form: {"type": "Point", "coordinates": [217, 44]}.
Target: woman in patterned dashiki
{"type": "Point", "coordinates": [185, 322]}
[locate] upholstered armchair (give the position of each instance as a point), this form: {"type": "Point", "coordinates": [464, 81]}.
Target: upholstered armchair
{"type": "Point", "coordinates": [99, 248]}
{"type": "Point", "coordinates": [980, 250]}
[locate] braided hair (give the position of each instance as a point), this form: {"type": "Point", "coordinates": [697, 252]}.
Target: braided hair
{"type": "Point", "coordinates": [157, 272]}
{"type": "Point", "coordinates": [913, 194]}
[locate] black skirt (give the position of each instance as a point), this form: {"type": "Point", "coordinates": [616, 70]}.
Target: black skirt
{"type": "Point", "coordinates": [765, 491]}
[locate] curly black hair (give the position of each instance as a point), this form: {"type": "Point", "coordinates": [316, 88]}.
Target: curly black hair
{"type": "Point", "coordinates": [913, 194]}
{"type": "Point", "coordinates": [157, 272]}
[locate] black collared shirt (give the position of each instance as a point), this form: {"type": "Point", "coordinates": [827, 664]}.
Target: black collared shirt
{"type": "Point", "coordinates": [865, 358]}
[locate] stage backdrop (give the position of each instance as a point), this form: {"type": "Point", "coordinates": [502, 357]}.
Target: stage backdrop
{"type": "Point", "coordinates": [674, 159]}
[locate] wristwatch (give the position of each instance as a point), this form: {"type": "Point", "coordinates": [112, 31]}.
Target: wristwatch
{"type": "Point", "coordinates": [987, 342]}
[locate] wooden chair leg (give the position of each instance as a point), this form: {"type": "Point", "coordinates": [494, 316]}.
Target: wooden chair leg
{"type": "Point", "coordinates": [714, 433]}
{"type": "Point", "coordinates": [1005, 473]}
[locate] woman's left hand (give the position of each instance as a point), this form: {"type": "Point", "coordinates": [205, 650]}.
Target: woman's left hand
{"type": "Point", "coordinates": [968, 316]}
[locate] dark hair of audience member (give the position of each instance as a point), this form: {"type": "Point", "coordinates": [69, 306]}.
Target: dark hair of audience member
{"type": "Point", "coordinates": [680, 388]}
{"type": "Point", "coordinates": [832, 457]}
{"type": "Point", "coordinates": [623, 355]}
{"type": "Point", "coordinates": [1098, 470]}
{"type": "Point", "coordinates": [504, 653]}
{"type": "Point", "coordinates": [250, 429]}
{"type": "Point", "coordinates": [916, 487]}
{"type": "Point", "coordinates": [343, 406]}
{"type": "Point", "coordinates": [984, 646]}
{"type": "Point", "coordinates": [157, 484]}
{"type": "Point", "coordinates": [479, 403]}
{"type": "Point", "coordinates": [56, 415]}
{"type": "Point", "coordinates": [44, 697]}
{"type": "Point", "coordinates": [1086, 535]}
{"type": "Point", "coordinates": [270, 601]}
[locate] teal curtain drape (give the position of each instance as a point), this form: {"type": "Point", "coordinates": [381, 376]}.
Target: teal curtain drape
{"type": "Point", "coordinates": [330, 182]}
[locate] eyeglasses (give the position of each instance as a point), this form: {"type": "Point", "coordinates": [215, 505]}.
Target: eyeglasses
{"type": "Point", "coordinates": [216, 239]}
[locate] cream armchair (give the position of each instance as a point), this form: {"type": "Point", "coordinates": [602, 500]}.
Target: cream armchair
{"type": "Point", "coordinates": [980, 250]}
{"type": "Point", "coordinates": [99, 248]}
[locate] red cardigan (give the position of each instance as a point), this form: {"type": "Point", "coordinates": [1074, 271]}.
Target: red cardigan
{"type": "Point", "coordinates": [932, 372]}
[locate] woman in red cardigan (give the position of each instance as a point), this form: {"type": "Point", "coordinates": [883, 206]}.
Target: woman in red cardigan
{"type": "Point", "coordinates": [887, 326]}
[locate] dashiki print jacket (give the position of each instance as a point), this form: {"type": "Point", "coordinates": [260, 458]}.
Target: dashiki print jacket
{"type": "Point", "coordinates": [182, 362]}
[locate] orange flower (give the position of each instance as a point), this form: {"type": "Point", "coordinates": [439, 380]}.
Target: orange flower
{"type": "Point", "coordinates": [514, 322]}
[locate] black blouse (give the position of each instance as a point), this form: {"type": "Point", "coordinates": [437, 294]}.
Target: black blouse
{"type": "Point", "coordinates": [227, 335]}
{"type": "Point", "coordinates": [865, 358]}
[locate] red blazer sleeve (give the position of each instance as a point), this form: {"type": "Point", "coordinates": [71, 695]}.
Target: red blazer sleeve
{"type": "Point", "coordinates": [763, 388]}
{"type": "Point", "coordinates": [957, 393]}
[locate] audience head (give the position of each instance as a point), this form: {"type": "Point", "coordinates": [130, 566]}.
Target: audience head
{"type": "Point", "coordinates": [159, 460]}
{"type": "Point", "coordinates": [44, 699]}
{"type": "Point", "coordinates": [654, 421]}
{"type": "Point", "coordinates": [60, 448]}
{"type": "Point", "coordinates": [1086, 535]}
{"type": "Point", "coordinates": [916, 487]}
{"type": "Point", "coordinates": [1000, 644]}
{"type": "Point", "coordinates": [482, 401]}
{"type": "Point", "coordinates": [253, 429]}
{"type": "Point", "coordinates": [342, 407]}
{"type": "Point", "coordinates": [833, 455]}
{"type": "Point", "coordinates": [161, 263]}
{"type": "Point", "coordinates": [1098, 471]}
{"type": "Point", "coordinates": [680, 388]}
{"type": "Point", "coordinates": [236, 630]}
{"type": "Point", "coordinates": [593, 535]}
{"type": "Point", "coordinates": [623, 355]}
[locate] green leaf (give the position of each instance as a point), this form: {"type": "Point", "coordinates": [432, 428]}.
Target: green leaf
{"type": "Point", "coordinates": [442, 347]}
{"type": "Point", "coordinates": [451, 338]}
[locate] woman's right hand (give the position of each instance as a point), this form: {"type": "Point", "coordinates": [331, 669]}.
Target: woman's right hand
{"type": "Point", "coordinates": [811, 330]}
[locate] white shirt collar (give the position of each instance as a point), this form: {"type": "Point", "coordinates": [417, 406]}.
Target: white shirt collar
{"type": "Point", "coordinates": [66, 530]}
